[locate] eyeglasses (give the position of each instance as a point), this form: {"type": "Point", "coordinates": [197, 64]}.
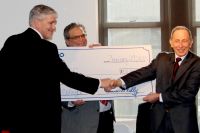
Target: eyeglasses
{"type": "Point", "coordinates": [78, 37]}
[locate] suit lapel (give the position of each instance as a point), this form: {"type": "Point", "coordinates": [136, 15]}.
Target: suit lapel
{"type": "Point", "coordinates": [171, 66]}
{"type": "Point", "coordinates": [187, 62]}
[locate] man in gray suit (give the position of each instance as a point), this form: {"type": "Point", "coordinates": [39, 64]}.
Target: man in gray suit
{"type": "Point", "coordinates": [173, 107]}
{"type": "Point", "coordinates": [85, 116]}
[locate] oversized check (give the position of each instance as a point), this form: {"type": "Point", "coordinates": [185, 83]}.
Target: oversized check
{"type": "Point", "coordinates": [107, 62]}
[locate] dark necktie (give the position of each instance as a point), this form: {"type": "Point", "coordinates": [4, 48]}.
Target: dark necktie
{"type": "Point", "coordinates": [176, 66]}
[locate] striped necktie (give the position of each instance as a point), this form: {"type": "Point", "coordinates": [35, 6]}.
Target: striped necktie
{"type": "Point", "coordinates": [176, 66]}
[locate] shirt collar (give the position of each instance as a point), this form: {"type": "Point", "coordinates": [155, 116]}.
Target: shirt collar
{"type": "Point", "coordinates": [182, 58]}
{"type": "Point", "coordinates": [37, 32]}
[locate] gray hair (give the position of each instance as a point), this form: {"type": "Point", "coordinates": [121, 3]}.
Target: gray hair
{"type": "Point", "coordinates": [181, 28]}
{"type": "Point", "coordinates": [39, 11]}
{"type": "Point", "coordinates": [72, 26]}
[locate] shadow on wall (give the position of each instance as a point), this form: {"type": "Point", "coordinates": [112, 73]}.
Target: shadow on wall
{"type": "Point", "coordinates": [121, 128]}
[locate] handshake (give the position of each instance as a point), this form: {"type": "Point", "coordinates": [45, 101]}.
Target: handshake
{"type": "Point", "coordinates": [109, 84]}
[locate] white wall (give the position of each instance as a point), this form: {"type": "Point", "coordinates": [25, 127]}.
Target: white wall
{"type": "Point", "coordinates": [14, 17]}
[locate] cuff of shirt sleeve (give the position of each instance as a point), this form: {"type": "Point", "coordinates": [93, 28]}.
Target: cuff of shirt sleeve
{"type": "Point", "coordinates": [123, 84]}
{"type": "Point", "coordinates": [160, 98]}
{"type": "Point", "coordinates": [99, 83]}
{"type": "Point", "coordinates": [70, 104]}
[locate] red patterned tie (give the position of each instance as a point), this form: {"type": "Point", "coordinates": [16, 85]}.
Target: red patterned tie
{"type": "Point", "coordinates": [176, 66]}
{"type": "Point", "coordinates": [104, 102]}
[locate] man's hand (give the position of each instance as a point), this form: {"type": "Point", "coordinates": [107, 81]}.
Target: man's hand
{"type": "Point", "coordinates": [106, 84]}
{"type": "Point", "coordinates": [94, 45]}
{"type": "Point", "coordinates": [116, 83]}
{"type": "Point", "coordinates": [78, 102]}
{"type": "Point", "coordinates": [152, 97]}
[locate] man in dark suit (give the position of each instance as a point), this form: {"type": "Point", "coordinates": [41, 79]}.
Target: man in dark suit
{"type": "Point", "coordinates": [174, 108]}
{"type": "Point", "coordinates": [31, 72]}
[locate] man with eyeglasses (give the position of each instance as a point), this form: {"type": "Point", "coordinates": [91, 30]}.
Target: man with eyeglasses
{"type": "Point", "coordinates": [75, 36]}
{"type": "Point", "coordinates": [85, 116]}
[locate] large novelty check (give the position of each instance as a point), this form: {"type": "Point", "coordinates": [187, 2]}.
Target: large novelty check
{"type": "Point", "coordinates": [107, 62]}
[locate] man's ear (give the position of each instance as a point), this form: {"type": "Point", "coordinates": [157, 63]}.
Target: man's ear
{"type": "Point", "coordinates": [170, 42]}
{"type": "Point", "coordinates": [66, 42]}
{"type": "Point", "coordinates": [191, 43]}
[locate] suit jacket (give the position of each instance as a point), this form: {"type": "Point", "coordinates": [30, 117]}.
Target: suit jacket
{"type": "Point", "coordinates": [31, 72]}
{"type": "Point", "coordinates": [82, 119]}
{"type": "Point", "coordinates": [178, 95]}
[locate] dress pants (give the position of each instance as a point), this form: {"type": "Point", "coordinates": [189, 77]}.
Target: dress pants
{"type": "Point", "coordinates": [143, 121]}
{"type": "Point", "coordinates": [106, 120]}
{"type": "Point", "coordinates": [166, 124]}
